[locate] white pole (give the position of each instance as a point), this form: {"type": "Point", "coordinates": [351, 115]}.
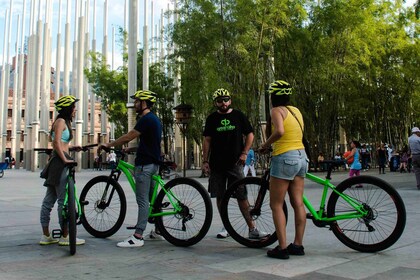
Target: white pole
{"type": "Point", "coordinates": [15, 94]}
{"type": "Point", "coordinates": [57, 81]}
{"type": "Point", "coordinates": [92, 97]}
{"type": "Point", "coordinates": [21, 70]}
{"type": "Point", "coordinates": [80, 86]}
{"type": "Point", "coordinates": [132, 63]}
{"type": "Point", "coordinates": [104, 118]}
{"type": "Point", "coordinates": [29, 96]}
{"type": "Point", "coordinates": [3, 88]}
{"type": "Point", "coordinates": [86, 87]}
{"type": "Point", "coordinates": [37, 76]}
{"type": "Point", "coordinates": [145, 50]}
{"type": "Point", "coordinates": [67, 63]}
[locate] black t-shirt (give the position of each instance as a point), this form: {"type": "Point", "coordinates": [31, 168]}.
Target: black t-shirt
{"type": "Point", "coordinates": [148, 151]}
{"type": "Point", "coordinates": [227, 138]}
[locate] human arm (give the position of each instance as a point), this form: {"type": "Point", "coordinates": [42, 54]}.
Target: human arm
{"type": "Point", "coordinates": [249, 139]}
{"type": "Point", "coordinates": [132, 134]}
{"type": "Point", "coordinates": [206, 148]}
{"type": "Point", "coordinates": [278, 131]}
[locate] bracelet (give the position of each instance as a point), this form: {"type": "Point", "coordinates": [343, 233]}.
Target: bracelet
{"type": "Point", "coordinates": [243, 153]}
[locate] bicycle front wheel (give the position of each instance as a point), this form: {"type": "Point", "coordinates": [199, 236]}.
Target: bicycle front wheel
{"type": "Point", "coordinates": [71, 215]}
{"type": "Point", "coordinates": [192, 222]}
{"type": "Point", "coordinates": [103, 206]}
{"type": "Point", "coordinates": [238, 213]}
{"type": "Point", "coordinates": [385, 219]}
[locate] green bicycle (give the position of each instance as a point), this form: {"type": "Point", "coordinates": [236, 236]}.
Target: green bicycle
{"type": "Point", "coordinates": [364, 212]}
{"type": "Point", "coordinates": [182, 209]}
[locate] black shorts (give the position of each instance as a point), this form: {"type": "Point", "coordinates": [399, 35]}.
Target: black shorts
{"type": "Point", "coordinates": [220, 180]}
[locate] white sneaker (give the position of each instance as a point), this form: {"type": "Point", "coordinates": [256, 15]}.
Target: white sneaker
{"type": "Point", "coordinates": [132, 241]}
{"type": "Point", "coordinates": [257, 234]}
{"type": "Point", "coordinates": [47, 240]}
{"type": "Point", "coordinates": [64, 241]}
{"type": "Point", "coordinates": [223, 234]}
{"type": "Point", "coordinates": [153, 235]}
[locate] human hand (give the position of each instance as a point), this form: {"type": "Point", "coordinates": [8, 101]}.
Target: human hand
{"type": "Point", "coordinates": [205, 167]}
{"type": "Point", "coordinates": [76, 148]}
{"type": "Point", "coordinates": [104, 146]}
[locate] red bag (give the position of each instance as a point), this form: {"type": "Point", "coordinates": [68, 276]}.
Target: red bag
{"type": "Point", "coordinates": [349, 160]}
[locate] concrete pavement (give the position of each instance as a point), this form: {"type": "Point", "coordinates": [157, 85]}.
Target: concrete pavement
{"type": "Point", "coordinates": [21, 257]}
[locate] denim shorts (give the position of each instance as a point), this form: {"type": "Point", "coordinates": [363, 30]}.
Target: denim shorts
{"type": "Point", "coordinates": [289, 165]}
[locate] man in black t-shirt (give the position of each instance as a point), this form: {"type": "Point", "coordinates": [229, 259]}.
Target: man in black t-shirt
{"type": "Point", "coordinates": [225, 152]}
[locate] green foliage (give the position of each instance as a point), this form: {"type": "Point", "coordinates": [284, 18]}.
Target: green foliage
{"type": "Point", "coordinates": [353, 63]}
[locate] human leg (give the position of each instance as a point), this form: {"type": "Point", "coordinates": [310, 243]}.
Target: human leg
{"type": "Point", "coordinates": [416, 168]}
{"type": "Point", "coordinates": [296, 200]}
{"type": "Point", "coordinates": [253, 173]}
{"type": "Point", "coordinates": [278, 189]}
{"type": "Point", "coordinates": [46, 207]}
{"type": "Point", "coordinates": [143, 176]}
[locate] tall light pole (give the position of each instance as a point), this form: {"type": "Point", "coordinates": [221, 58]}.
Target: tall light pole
{"type": "Point", "coordinates": [183, 114]}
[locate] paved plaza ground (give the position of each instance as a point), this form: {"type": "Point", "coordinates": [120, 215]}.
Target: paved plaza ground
{"type": "Point", "coordinates": [21, 257]}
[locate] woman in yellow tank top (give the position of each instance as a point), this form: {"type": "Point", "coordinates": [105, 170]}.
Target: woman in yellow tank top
{"type": "Point", "coordinates": [288, 168]}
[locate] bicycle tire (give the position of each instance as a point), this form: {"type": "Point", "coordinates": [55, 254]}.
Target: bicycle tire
{"type": "Point", "coordinates": [71, 214]}
{"type": "Point", "coordinates": [387, 215]}
{"type": "Point", "coordinates": [102, 217]}
{"type": "Point", "coordinates": [234, 221]}
{"type": "Point", "coordinates": [190, 225]}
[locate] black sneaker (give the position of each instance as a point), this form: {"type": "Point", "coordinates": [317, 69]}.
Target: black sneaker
{"type": "Point", "coordinates": [295, 250]}
{"type": "Point", "coordinates": [278, 253]}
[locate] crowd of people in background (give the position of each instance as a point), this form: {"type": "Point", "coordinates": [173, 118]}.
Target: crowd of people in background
{"type": "Point", "coordinates": [382, 157]}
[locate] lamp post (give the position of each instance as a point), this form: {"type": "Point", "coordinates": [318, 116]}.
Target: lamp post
{"type": "Point", "coordinates": [183, 114]}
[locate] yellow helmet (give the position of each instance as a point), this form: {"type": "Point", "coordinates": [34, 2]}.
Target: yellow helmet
{"type": "Point", "coordinates": [220, 92]}
{"type": "Point", "coordinates": [279, 88]}
{"type": "Point", "coordinates": [145, 95]}
{"type": "Point", "coordinates": [65, 101]}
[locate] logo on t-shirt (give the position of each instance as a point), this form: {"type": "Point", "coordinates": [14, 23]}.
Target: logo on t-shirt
{"type": "Point", "coordinates": [225, 126]}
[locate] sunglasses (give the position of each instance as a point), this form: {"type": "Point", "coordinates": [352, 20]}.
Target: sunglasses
{"type": "Point", "coordinates": [222, 99]}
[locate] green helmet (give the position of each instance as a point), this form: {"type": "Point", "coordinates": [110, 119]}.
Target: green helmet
{"type": "Point", "coordinates": [220, 92]}
{"type": "Point", "coordinates": [279, 88]}
{"type": "Point", "coordinates": [65, 101]}
{"type": "Point", "coordinates": [145, 95]}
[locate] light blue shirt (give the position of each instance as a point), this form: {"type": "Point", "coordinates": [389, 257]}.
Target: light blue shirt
{"type": "Point", "coordinates": [250, 159]}
{"type": "Point", "coordinates": [414, 143]}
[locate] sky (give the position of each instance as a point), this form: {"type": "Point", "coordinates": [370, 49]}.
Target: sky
{"type": "Point", "coordinates": [115, 19]}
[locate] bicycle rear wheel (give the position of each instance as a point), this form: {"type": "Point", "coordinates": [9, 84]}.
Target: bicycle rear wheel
{"type": "Point", "coordinates": [258, 211]}
{"type": "Point", "coordinates": [384, 223]}
{"type": "Point", "coordinates": [71, 215]}
{"type": "Point", "coordinates": [192, 223]}
{"type": "Point", "coordinates": [103, 205]}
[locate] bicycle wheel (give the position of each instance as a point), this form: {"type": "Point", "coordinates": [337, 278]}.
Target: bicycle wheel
{"type": "Point", "coordinates": [71, 215]}
{"type": "Point", "coordinates": [103, 206]}
{"type": "Point", "coordinates": [259, 212]}
{"type": "Point", "coordinates": [192, 223]}
{"type": "Point", "coordinates": [383, 224]}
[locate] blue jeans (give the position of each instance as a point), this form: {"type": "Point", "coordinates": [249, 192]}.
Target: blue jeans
{"type": "Point", "coordinates": [144, 188]}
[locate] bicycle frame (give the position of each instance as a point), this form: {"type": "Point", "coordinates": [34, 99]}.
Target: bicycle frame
{"type": "Point", "coordinates": [128, 170]}
{"type": "Point", "coordinates": [70, 176]}
{"type": "Point", "coordinates": [319, 215]}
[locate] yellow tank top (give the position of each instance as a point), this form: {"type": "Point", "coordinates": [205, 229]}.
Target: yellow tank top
{"type": "Point", "coordinates": [292, 137]}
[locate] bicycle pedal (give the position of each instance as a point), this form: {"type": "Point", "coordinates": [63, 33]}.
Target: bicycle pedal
{"type": "Point", "coordinates": [84, 202]}
{"type": "Point", "coordinates": [309, 216]}
{"type": "Point", "coordinates": [151, 220]}
{"type": "Point", "coordinates": [131, 227]}
{"type": "Point", "coordinates": [56, 233]}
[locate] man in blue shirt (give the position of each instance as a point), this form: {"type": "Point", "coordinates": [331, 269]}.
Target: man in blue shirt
{"type": "Point", "coordinates": [149, 129]}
